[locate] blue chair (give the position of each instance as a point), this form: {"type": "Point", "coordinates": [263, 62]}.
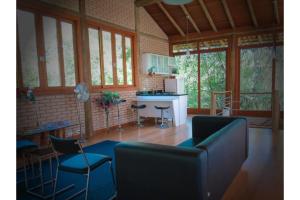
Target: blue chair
{"type": "Point", "coordinates": [77, 161]}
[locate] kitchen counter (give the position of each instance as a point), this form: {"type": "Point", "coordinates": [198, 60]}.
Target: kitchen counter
{"type": "Point", "coordinates": [157, 93]}
{"type": "Point", "coordinates": [177, 103]}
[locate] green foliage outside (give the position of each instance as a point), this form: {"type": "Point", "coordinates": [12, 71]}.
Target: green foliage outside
{"type": "Point", "coordinates": [188, 69]}
{"type": "Point", "coordinates": [212, 76]}
{"type": "Point", "coordinates": [256, 77]}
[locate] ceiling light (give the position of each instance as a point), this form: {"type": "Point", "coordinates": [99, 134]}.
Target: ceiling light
{"type": "Point", "coordinates": [177, 2]}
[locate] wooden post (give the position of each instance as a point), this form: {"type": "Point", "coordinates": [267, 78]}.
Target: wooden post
{"type": "Point", "coordinates": [85, 66]}
{"type": "Point", "coordinates": [213, 104]}
{"type": "Point", "coordinates": [138, 35]}
{"type": "Point", "coordinates": [275, 111]}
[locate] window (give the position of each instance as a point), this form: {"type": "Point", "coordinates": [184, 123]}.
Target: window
{"type": "Point", "coordinates": [129, 60]}
{"type": "Point", "coordinates": [95, 56]}
{"type": "Point", "coordinates": [68, 53]}
{"type": "Point", "coordinates": [51, 51]}
{"type": "Point", "coordinates": [119, 59]}
{"type": "Point", "coordinates": [256, 78]}
{"type": "Point", "coordinates": [46, 48]}
{"type": "Point", "coordinates": [212, 75]}
{"type": "Point", "coordinates": [111, 53]}
{"type": "Point", "coordinates": [28, 49]}
{"type": "Point", "coordinates": [107, 56]}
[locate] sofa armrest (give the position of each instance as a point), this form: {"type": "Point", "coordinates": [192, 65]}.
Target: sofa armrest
{"type": "Point", "coordinates": [151, 171]}
{"type": "Point", "coordinates": [204, 126]}
{"type": "Point", "coordinates": [227, 149]}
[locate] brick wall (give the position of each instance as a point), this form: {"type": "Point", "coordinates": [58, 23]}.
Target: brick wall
{"type": "Point", "coordinates": [126, 114]}
{"type": "Point", "coordinates": [63, 107]}
{"type": "Point", "coordinates": [49, 109]}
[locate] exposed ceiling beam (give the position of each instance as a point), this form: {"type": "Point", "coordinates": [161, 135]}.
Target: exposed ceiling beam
{"type": "Point", "coordinates": [276, 13]}
{"type": "Point", "coordinates": [171, 19]}
{"type": "Point", "coordinates": [186, 12]}
{"type": "Point", "coordinates": [224, 33]}
{"type": "Point", "coordinates": [141, 3]}
{"type": "Point", "coordinates": [228, 14]}
{"type": "Point", "coordinates": [251, 10]}
{"type": "Point", "coordinates": [211, 22]}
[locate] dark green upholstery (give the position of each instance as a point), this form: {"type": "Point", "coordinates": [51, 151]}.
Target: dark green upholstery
{"type": "Point", "coordinates": [200, 168]}
{"type": "Point", "coordinates": [77, 164]}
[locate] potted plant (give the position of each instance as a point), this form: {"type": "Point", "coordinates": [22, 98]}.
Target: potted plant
{"type": "Point", "coordinates": [105, 101]}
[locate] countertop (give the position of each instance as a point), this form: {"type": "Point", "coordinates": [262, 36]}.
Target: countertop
{"type": "Point", "coordinates": [157, 93]}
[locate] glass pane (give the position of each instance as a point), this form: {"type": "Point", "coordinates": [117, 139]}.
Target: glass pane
{"type": "Point", "coordinates": [51, 52]}
{"type": "Point", "coordinates": [68, 52]}
{"type": "Point", "coordinates": [184, 47]}
{"type": "Point", "coordinates": [94, 56]}
{"type": "Point", "coordinates": [28, 51]}
{"type": "Point", "coordinates": [119, 59]}
{"type": "Point", "coordinates": [256, 78]}
{"type": "Point", "coordinates": [279, 74]}
{"type": "Point", "coordinates": [128, 50]}
{"type": "Point", "coordinates": [212, 76]}
{"type": "Point", "coordinates": [166, 65]}
{"type": "Point", "coordinates": [107, 53]}
{"type": "Point", "coordinates": [188, 69]}
{"type": "Point", "coordinates": [213, 44]}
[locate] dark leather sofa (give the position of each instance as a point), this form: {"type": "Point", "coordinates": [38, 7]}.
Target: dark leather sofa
{"type": "Point", "coordinates": [199, 168]}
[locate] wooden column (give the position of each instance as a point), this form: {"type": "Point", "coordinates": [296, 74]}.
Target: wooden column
{"type": "Point", "coordinates": [85, 67]}
{"type": "Point", "coordinates": [233, 73]}
{"type": "Point", "coordinates": [213, 104]}
{"type": "Point", "coordinates": [275, 111]}
{"type": "Point", "coordinates": [137, 42]}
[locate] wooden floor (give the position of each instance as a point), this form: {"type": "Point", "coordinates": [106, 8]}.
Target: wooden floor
{"type": "Point", "coordinates": [261, 176]}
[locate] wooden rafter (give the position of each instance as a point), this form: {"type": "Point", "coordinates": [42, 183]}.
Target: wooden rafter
{"type": "Point", "coordinates": [211, 22]}
{"type": "Point", "coordinates": [276, 13]}
{"type": "Point", "coordinates": [171, 19]}
{"type": "Point", "coordinates": [228, 14]}
{"type": "Point", "coordinates": [186, 12]}
{"type": "Point", "coordinates": [251, 10]}
{"type": "Point", "coordinates": [141, 3]}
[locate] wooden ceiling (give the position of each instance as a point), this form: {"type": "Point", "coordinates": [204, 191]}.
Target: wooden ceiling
{"type": "Point", "coordinates": [215, 16]}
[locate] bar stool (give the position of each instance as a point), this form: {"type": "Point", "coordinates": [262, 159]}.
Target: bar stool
{"type": "Point", "coordinates": [162, 108]}
{"type": "Point", "coordinates": [137, 108]}
{"type": "Point", "coordinates": [118, 102]}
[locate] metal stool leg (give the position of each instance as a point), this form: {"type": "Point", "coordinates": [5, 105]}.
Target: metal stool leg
{"type": "Point", "coordinates": [119, 122]}
{"type": "Point", "coordinates": [163, 124]}
{"type": "Point", "coordinates": [139, 119]}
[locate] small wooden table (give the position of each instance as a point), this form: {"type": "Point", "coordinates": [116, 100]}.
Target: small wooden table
{"type": "Point", "coordinates": [40, 134]}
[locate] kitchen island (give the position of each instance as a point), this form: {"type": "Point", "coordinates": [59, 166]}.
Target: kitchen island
{"type": "Point", "coordinates": [177, 103]}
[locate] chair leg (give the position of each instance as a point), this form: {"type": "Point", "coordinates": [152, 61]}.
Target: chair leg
{"type": "Point", "coordinates": [25, 171]}
{"type": "Point", "coordinates": [87, 185]}
{"type": "Point", "coordinates": [55, 183]}
{"type": "Point", "coordinates": [41, 175]}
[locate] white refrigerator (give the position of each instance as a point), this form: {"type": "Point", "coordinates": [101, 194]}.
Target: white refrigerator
{"type": "Point", "coordinates": [174, 85]}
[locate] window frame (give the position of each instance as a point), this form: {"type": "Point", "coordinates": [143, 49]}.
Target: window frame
{"type": "Point", "coordinates": [199, 52]}
{"type": "Point", "coordinates": [259, 113]}
{"type": "Point", "coordinates": [95, 24]}
{"type": "Point", "coordinates": [38, 13]}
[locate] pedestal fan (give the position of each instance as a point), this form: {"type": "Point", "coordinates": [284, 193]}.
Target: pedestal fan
{"type": "Point", "coordinates": [81, 95]}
